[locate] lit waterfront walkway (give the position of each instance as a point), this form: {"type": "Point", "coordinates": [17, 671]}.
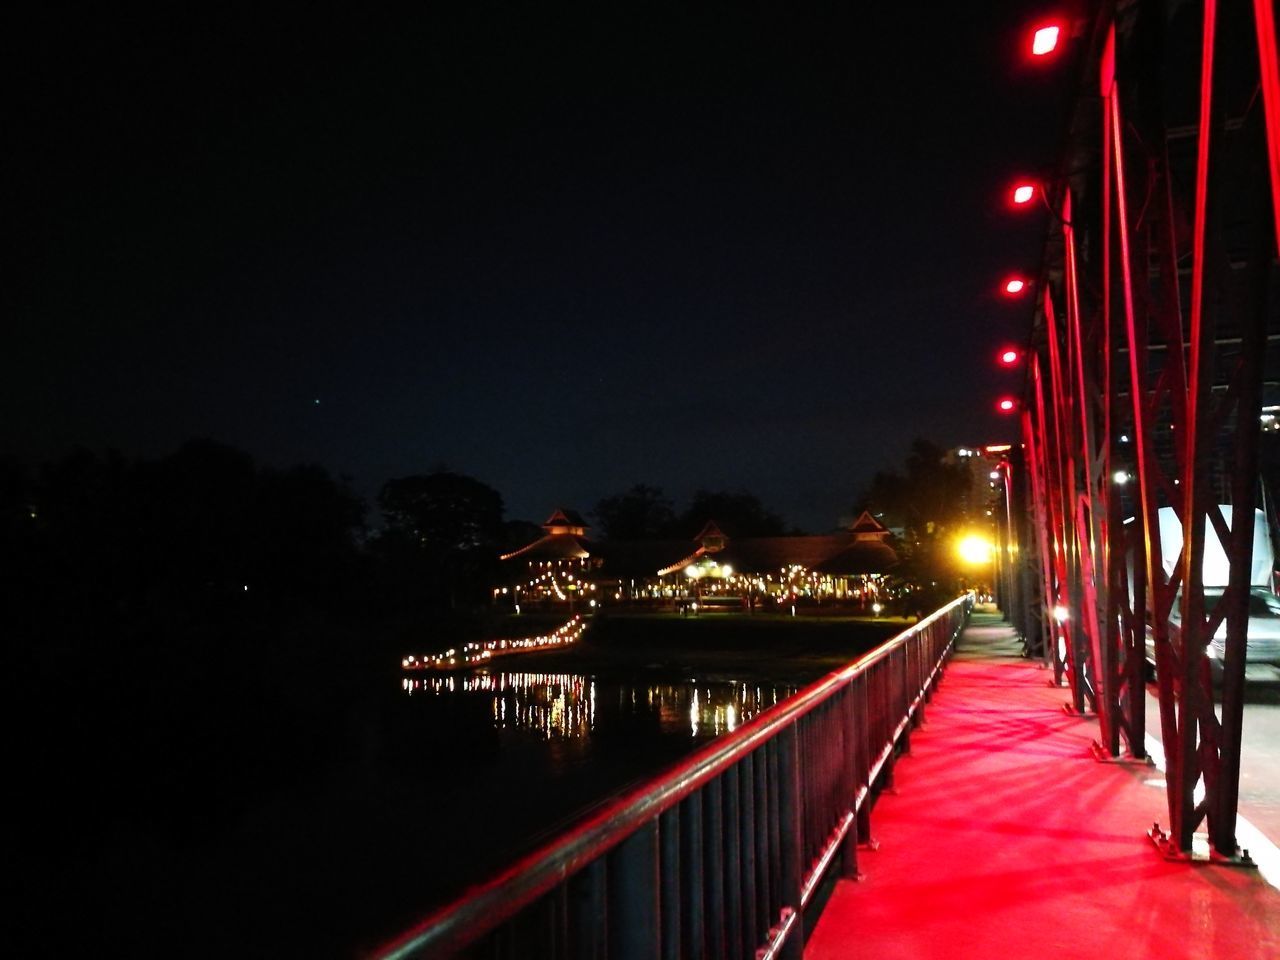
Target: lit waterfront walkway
{"type": "Point", "coordinates": [1005, 838]}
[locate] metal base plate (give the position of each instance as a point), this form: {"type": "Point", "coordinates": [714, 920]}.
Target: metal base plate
{"type": "Point", "coordinates": [1126, 759]}
{"type": "Point", "coordinates": [1201, 854]}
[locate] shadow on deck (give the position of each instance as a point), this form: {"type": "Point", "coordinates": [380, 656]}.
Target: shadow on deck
{"type": "Point", "coordinates": [1005, 838]}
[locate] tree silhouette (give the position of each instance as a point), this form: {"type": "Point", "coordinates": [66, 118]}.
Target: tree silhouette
{"type": "Point", "coordinates": [932, 500]}
{"type": "Point", "coordinates": [641, 513]}
{"type": "Point", "coordinates": [738, 513]}
{"type": "Point", "coordinates": [929, 499]}
{"type": "Point", "coordinates": [447, 525]}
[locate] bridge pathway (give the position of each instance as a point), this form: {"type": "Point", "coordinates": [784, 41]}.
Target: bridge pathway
{"type": "Point", "coordinates": [1005, 838]}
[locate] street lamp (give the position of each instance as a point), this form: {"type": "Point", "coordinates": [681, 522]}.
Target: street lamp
{"type": "Point", "coordinates": [1044, 40]}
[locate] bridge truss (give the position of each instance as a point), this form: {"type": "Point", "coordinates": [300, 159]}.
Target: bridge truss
{"type": "Point", "coordinates": [1154, 351]}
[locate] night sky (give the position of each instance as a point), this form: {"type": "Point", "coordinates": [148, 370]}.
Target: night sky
{"type": "Point", "coordinates": [563, 252]}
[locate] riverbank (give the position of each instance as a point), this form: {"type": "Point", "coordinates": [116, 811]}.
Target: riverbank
{"type": "Point", "coordinates": [716, 646]}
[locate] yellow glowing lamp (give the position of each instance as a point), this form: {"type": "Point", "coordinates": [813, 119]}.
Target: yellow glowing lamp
{"type": "Point", "coordinates": [974, 549]}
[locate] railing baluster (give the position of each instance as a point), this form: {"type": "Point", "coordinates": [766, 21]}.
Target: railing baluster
{"type": "Point", "coordinates": [764, 870]}
{"type": "Point", "coordinates": [777, 897]}
{"type": "Point", "coordinates": [747, 840]}
{"type": "Point", "coordinates": [693, 926]}
{"type": "Point", "coordinates": [588, 918]}
{"type": "Point", "coordinates": [669, 902]}
{"type": "Point", "coordinates": [733, 865]}
{"type": "Point", "coordinates": [849, 779]}
{"type": "Point", "coordinates": [862, 761]}
{"type": "Point", "coordinates": [790, 811]}
{"type": "Point", "coordinates": [633, 897]}
{"type": "Point", "coordinates": [713, 810]}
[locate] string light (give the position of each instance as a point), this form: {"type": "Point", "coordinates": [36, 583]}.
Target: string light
{"type": "Point", "coordinates": [472, 654]}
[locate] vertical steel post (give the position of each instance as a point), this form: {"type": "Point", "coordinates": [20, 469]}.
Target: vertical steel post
{"type": "Point", "coordinates": [734, 912]}
{"type": "Point", "coordinates": [713, 811]}
{"type": "Point", "coordinates": [849, 779]}
{"type": "Point", "coordinates": [670, 894]}
{"type": "Point", "coordinates": [693, 932]}
{"type": "Point", "coordinates": [634, 882]}
{"type": "Point", "coordinates": [790, 810]}
{"type": "Point", "coordinates": [587, 913]}
{"type": "Point", "coordinates": [750, 862]}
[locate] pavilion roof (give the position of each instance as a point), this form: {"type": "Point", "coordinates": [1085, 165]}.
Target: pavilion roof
{"type": "Point", "coordinates": [857, 549]}
{"type": "Point", "coordinates": [862, 556]}
{"type": "Point", "coordinates": [554, 546]}
{"type": "Point", "coordinates": [867, 526]}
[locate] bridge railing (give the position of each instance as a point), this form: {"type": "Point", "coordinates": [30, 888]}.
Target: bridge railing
{"type": "Point", "coordinates": [720, 855]}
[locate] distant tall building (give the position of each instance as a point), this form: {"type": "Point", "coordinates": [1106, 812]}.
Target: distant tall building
{"type": "Point", "coordinates": [978, 462]}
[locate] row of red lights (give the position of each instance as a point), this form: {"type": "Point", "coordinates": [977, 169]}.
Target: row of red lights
{"type": "Point", "coordinates": [1044, 41]}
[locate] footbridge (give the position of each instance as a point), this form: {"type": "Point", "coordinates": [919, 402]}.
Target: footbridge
{"type": "Point", "coordinates": [1013, 783]}
{"type": "Point", "coordinates": [939, 797]}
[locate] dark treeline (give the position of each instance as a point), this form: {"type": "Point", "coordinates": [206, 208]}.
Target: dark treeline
{"type": "Point", "coordinates": [98, 544]}
{"type": "Point", "coordinates": [193, 635]}
{"type": "Point", "coordinates": [647, 513]}
{"type": "Point", "coordinates": [205, 534]}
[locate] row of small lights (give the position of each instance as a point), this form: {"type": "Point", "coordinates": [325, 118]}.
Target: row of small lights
{"type": "Point", "coordinates": [794, 579]}
{"type": "Point", "coordinates": [548, 578]}
{"type": "Point", "coordinates": [1044, 41]}
{"type": "Point", "coordinates": [472, 654]}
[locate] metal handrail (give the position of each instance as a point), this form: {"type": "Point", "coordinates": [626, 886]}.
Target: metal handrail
{"type": "Point", "coordinates": [774, 784]}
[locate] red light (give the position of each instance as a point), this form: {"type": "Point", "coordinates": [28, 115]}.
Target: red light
{"type": "Point", "coordinates": [1009, 357]}
{"type": "Point", "coordinates": [1045, 40]}
{"type": "Point", "coordinates": [1006, 405]}
{"type": "Point", "coordinates": [1023, 193]}
{"type": "Point", "coordinates": [1015, 286]}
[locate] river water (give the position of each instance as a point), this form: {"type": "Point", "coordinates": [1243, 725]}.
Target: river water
{"type": "Point", "coordinates": [450, 778]}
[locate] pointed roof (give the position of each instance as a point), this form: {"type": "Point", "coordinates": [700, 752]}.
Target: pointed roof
{"type": "Point", "coordinates": [554, 546]}
{"type": "Point", "coordinates": [711, 537]}
{"type": "Point", "coordinates": [565, 521]}
{"type": "Point", "coordinates": [867, 527]}
{"type": "Point", "coordinates": [564, 540]}
{"type": "Point", "coordinates": [872, 555]}
{"type": "Point", "coordinates": [682, 562]}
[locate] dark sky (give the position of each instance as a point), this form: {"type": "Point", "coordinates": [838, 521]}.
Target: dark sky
{"type": "Point", "coordinates": [562, 252]}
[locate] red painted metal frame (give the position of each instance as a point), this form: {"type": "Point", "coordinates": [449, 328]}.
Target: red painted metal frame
{"type": "Point", "coordinates": [1032, 436]}
{"type": "Point", "coordinates": [1269, 80]}
{"type": "Point", "coordinates": [1189, 410]}
{"type": "Point", "coordinates": [1071, 582]}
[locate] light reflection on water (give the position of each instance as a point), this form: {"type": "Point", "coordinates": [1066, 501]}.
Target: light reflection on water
{"type": "Point", "coordinates": [565, 706]}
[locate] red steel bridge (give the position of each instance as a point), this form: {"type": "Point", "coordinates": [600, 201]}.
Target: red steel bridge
{"type": "Point", "coordinates": [1151, 367]}
{"type": "Point", "coordinates": [1151, 361]}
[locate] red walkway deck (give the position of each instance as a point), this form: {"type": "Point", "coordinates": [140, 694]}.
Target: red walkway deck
{"type": "Point", "coordinates": [1004, 838]}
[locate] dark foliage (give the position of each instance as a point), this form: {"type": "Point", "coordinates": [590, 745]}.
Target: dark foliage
{"type": "Point", "coordinates": [738, 513]}
{"type": "Point", "coordinates": [201, 534]}
{"type": "Point", "coordinates": [443, 533]}
{"type": "Point", "coordinates": [928, 497]}
{"type": "Point", "coordinates": [641, 513]}
{"type": "Point", "coordinates": [932, 500]}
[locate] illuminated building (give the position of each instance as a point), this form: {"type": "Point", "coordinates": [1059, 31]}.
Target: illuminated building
{"type": "Point", "coordinates": [565, 567]}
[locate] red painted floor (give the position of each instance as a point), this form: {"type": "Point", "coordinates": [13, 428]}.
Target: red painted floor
{"type": "Point", "coordinates": [1004, 838]}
